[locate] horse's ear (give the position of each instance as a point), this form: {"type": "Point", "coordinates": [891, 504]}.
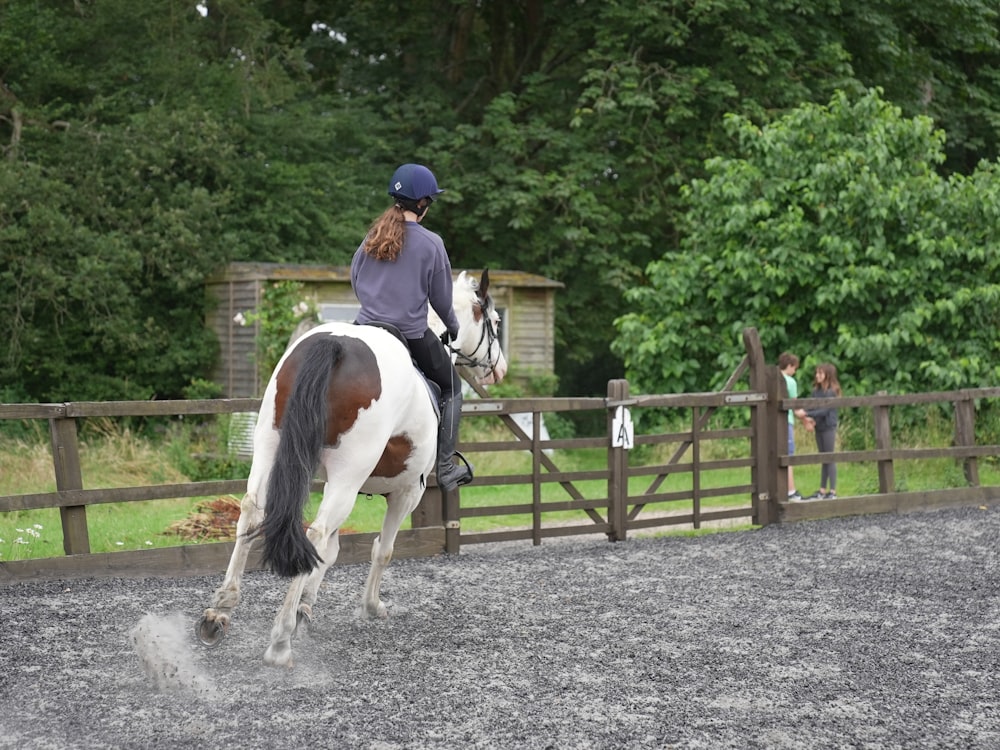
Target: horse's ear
{"type": "Point", "coordinates": [484, 283]}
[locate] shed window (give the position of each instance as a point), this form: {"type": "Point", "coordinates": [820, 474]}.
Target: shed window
{"type": "Point", "coordinates": [504, 328]}
{"type": "Point", "coordinates": [342, 312]}
{"type": "Point", "coordinates": [331, 312]}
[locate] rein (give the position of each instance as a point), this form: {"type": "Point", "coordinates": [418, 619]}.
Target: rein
{"type": "Point", "coordinates": [489, 336]}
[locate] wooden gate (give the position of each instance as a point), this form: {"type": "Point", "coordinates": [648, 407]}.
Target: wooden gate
{"type": "Point", "coordinates": [631, 494]}
{"type": "Point", "coordinates": [654, 477]}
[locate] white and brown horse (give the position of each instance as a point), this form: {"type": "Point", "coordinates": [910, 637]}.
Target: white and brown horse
{"type": "Point", "coordinates": [345, 402]}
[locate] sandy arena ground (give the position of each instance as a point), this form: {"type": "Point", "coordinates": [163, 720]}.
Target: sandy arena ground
{"type": "Point", "coordinates": [873, 632]}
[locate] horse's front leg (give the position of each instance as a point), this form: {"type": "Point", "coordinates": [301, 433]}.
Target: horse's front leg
{"type": "Point", "coordinates": [215, 621]}
{"type": "Point", "coordinates": [398, 506]}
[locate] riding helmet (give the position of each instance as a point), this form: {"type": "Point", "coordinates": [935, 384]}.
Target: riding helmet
{"type": "Point", "coordinates": [413, 182]}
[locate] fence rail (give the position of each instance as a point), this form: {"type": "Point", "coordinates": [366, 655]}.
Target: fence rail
{"type": "Point", "coordinates": [638, 490]}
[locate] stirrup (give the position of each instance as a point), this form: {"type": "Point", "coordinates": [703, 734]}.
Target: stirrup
{"type": "Point", "coordinates": [467, 477]}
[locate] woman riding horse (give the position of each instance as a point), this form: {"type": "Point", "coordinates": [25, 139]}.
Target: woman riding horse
{"type": "Point", "coordinates": [398, 270]}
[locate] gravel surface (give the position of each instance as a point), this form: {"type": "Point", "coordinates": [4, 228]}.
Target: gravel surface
{"type": "Point", "coordinates": [870, 632]}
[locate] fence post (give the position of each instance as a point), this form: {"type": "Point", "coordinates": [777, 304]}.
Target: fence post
{"type": "Point", "coordinates": [452, 528]}
{"type": "Point", "coordinates": [772, 477]}
{"type": "Point", "coordinates": [782, 428]}
{"type": "Point", "coordinates": [536, 478]}
{"type": "Point", "coordinates": [762, 459]}
{"type": "Point", "coordinates": [695, 468]}
{"type": "Point", "coordinates": [883, 442]}
{"type": "Point", "coordinates": [965, 435]}
{"type": "Point", "coordinates": [617, 468]}
{"type": "Point", "coordinates": [69, 476]}
{"type": "Point", "coordinates": [428, 513]}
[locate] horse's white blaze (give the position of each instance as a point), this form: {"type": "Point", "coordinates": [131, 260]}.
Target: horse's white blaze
{"type": "Point", "coordinates": [471, 339]}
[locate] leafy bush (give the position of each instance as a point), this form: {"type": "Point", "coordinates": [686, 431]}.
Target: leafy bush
{"type": "Point", "coordinates": [203, 452]}
{"type": "Point", "coordinates": [833, 234]}
{"type": "Point", "coordinates": [283, 308]}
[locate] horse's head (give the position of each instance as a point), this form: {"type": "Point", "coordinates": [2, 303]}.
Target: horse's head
{"type": "Point", "coordinates": [478, 344]}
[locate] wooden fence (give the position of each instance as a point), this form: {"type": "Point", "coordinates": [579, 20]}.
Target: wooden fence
{"type": "Point", "coordinates": [653, 479]}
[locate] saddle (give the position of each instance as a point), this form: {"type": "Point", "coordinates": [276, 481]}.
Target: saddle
{"type": "Point", "coordinates": [433, 389]}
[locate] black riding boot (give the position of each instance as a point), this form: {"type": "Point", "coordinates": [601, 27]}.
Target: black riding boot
{"type": "Point", "coordinates": [450, 474]}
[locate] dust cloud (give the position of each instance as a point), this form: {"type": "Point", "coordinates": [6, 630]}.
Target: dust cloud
{"type": "Point", "coordinates": [165, 655]}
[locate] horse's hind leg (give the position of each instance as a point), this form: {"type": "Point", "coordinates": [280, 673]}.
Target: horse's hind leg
{"type": "Point", "coordinates": [333, 511]}
{"type": "Point", "coordinates": [311, 590]}
{"type": "Point", "coordinates": [279, 651]}
{"type": "Point", "coordinates": [398, 506]}
{"type": "Point", "coordinates": [293, 609]}
{"type": "Point", "coordinates": [214, 623]}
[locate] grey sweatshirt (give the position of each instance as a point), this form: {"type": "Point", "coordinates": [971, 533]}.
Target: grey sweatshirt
{"type": "Point", "coordinates": [398, 291]}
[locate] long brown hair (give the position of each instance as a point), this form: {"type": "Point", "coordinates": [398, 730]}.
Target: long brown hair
{"type": "Point", "coordinates": [830, 381]}
{"type": "Point", "coordinates": [384, 240]}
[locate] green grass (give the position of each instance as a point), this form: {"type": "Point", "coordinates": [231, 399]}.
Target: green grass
{"type": "Point", "coordinates": [121, 459]}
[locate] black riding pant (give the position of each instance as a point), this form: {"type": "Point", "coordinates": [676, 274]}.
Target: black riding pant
{"type": "Point", "coordinates": [433, 360]}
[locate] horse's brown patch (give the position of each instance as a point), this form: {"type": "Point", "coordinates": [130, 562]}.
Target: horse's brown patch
{"type": "Point", "coordinates": [393, 461]}
{"type": "Point", "coordinates": [355, 384]}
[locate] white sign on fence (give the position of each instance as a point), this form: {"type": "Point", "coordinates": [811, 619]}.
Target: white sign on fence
{"type": "Point", "coordinates": [622, 432]}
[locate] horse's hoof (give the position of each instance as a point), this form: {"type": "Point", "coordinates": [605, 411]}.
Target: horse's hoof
{"type": "Point", "coordinates": [210, 632]}
{"type": "Point", "coordinates": [378, 612]}
{"type": "Point", "coordinates": [279, 657]}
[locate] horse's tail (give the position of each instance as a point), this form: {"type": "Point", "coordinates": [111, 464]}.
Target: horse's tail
{"type": "Point", "coordinates": [287, 549]}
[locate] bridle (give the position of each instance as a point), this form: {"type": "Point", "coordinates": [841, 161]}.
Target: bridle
{"type": "Point", "coordinates": [488, 335]}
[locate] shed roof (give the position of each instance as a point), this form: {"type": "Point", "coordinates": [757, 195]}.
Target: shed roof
{"type": "Point", "coordinates": [251, 271]}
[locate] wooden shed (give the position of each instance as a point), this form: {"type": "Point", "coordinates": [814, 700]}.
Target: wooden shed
{"type": "Point", "coordinates": [526, 303]}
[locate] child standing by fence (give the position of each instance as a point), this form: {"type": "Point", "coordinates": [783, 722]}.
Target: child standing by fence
{"type": "Point", "coordinates": [825, 385]}
{"type": "Point", "coordinates": [788, 363]}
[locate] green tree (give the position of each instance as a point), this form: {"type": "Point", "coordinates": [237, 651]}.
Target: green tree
{"type": "Point", "coordinates": [834, 234]}
{"type": "Point", "coordinates": [104, 255]}
{"type": "Point", "coordinates": [146, 144]}
{"type": "Point", "coordinates": [133, 171]}
{"type": "Point", "coordinates": [574, 172]}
